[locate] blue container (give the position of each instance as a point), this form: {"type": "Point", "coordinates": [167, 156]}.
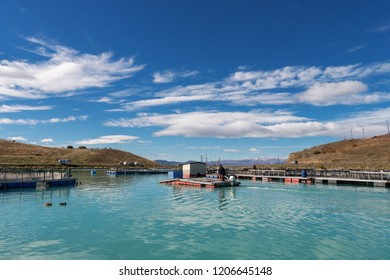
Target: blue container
{"type": "Point", "coordinates": [175, 174]}
{"type": "Point", "coordinates": [304, 173]}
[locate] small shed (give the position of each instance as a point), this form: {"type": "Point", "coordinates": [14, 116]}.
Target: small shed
{"type": "Point", "coordinates": [194, 169]}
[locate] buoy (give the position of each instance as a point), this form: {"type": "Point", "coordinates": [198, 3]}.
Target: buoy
{"type": "Point", "coordinates": [62, 203]}
{"type": "Point", "coordinates": [48, 204]}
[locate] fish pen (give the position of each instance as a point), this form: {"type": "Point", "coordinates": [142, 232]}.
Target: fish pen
{"type": "Point", "coordinates": [342, 177]}
{"type": "Point", "coordinates": [22, 178]}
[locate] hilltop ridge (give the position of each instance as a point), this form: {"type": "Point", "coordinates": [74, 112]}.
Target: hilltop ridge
{"type": "Point", "coordinates": [365, 153]}
{"type": "Point", "coordinates": [20, 154]}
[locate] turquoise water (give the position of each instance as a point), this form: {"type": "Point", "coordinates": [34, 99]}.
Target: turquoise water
{"type": "Point", "coordinates": [135, 217]}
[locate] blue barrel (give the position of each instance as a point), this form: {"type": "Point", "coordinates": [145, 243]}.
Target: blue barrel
{"type": "Point", "coordinates": [304, 173]}
{"type": "Point", "coordinates": [175, 174]}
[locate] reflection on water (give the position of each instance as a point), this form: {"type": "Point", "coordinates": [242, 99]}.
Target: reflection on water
{"type": "Point", "coordinates": [135, 217]}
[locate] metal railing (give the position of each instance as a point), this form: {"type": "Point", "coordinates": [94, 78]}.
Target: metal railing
{"type": "Point", "coordinates": [34, 175]}
{"type": "Point", "coordinates": [363, 175]}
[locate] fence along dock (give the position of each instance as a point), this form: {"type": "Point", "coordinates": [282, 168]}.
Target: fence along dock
{"type": "Point", "coordinates": [337, 177]}
{"type": "Point", "coordinates": [26, 178]}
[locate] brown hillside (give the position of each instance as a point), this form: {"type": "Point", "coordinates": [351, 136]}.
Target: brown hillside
{"type": "Point", "coordinates": [368, 154]}
{"type": "Point", "coordinates": [14, 154]}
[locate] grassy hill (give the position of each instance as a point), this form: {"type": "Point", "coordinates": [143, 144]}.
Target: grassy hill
{"type": "Point", "coordinates": [20, 154]}
{"type": "Point", "coordinates": [367, 154]}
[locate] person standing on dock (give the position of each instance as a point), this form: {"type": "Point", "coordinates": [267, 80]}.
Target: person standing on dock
{"type": "Point", "coordinates": [221, 173]}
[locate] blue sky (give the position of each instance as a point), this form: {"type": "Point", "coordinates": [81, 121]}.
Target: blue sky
{"type": "Point", "coordinates": [177, 80]}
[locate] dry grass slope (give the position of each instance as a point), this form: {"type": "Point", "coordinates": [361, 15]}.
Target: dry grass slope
{"type": "Point", "coordinates": [364, 154]}
{"type": "Point", "coordinates": [20, 154]}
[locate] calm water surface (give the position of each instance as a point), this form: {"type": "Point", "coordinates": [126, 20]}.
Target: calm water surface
{"type": "Point", "coordinates": [135, 217]}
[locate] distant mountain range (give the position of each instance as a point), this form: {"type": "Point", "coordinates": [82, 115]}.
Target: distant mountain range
{"type": "Point", "coordinates": [231, 162]}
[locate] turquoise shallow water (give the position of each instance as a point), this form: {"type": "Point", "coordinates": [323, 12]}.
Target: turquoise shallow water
{"type": "Point", "coordinates": [135, 217]}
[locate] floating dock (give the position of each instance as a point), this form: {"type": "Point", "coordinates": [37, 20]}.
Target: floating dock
{"type": "Point", "coordinates": [371, 182]}
{"type": "Point", "coordinates": [201, 182]}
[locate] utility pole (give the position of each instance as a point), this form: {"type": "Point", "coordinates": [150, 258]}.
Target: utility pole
{"type": "Point", "coordinates": [388, 130]}
{"type": "Point", "coordinates": [351, 134]}
{"type": "Point", "coordinates": [363, 133]}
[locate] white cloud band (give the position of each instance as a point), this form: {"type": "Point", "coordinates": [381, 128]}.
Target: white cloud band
{"type": "Point", "coordinates": [109, 139]}
{"type": "Point", "coordinates": [254, 124]}
{"type": "Point", "coordinates": [318, 86]}
{"type": "Point", "coordinates": [8, 121]}
{"type": "Point", "coordinates": [64, 70]}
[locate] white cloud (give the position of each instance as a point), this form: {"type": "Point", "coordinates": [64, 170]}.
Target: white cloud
{"type": "Point", "coordinates": [255, 124]}
{"type": "Point", "coordinates": [24, 10]}
{"type": "Point", "coordinates": [374, 122]}
{"type": "Point", "coordinates": [120, 97]}
{"type": "Point", "coordinates": [269, 98]}
{"type": "Point", "coordinates": [287, 85]}
{"type": "Point", "coordinates": [382, 28]}
{"type": "Point", "coordinates": [335, 73]}
{"type": "Point", "coordinates": [162, 78]}
{"type": "Point", "coordinates": [46, 140]}
{"type": "Point", "coordinates": [64, 70]}
{"type": "Point", "coordinates": [279, 78]}
{"type": "Point", "coordinates": [169, 76]}
{"type": "Point", "coordinates": [68, 119]}
{"type": "Point", "coordinates": [107, 99]}
{"type": "Point", "coordinates": [356, 48]}
{"type": "Point", "coordinates": [164, 101]}
{"type": "Point", "coordinates": [17, 138]}
{"type": "Point", "coordinates": [210, 123]}
{"type": "Point", "coordinates": [324, 94]}
{"type": "Point", "coordinates": [20, 108]}
{"type": "Point", "coordinates": [354, 71]}
{"type": "Point", "coordinates": [369, 119]}
{"type": "Point", "coordinates": [8, 121]}
{"type": "Point", "coordinates": [109, 139]}
{"type": "Point", "coordinates": [231, 150]}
